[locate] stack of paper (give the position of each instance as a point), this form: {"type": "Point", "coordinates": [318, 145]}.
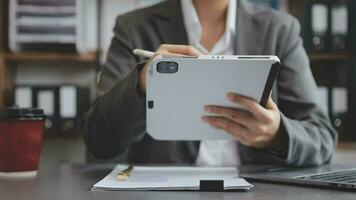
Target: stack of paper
{"type": "Point", "coordinates": [171, 178]}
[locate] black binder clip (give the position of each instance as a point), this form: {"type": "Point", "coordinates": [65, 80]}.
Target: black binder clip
{"type": "Point", "coordinates": [211, 185]}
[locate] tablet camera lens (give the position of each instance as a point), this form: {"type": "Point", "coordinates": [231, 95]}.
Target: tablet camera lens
{"type": "Point", "coordinates": [167, 67]}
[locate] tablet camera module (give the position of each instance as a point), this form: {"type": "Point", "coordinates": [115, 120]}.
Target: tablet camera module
{"type": "Point", "coordinates": [167, 67]}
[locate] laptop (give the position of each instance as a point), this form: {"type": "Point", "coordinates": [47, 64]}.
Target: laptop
{"type": "Point", "coordinates": [334, 176]}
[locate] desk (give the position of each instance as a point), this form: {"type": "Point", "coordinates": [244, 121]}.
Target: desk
{"type": "Point", "coordinates": [73, 181]}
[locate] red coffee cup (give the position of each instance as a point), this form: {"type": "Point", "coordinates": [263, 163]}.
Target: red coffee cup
{"type": "Point", "coordinates": [21, 135]}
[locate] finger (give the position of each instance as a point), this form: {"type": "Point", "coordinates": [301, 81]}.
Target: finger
{"type": "Point", "coordinates": [215, 126]}
{"type": "Point", "coordinates": [226, 124]}
{"type": "Point", "coordinates": [181, 49]}
{"type": "Point", "coordinates": [249, 105]}
{"type": "Point", "coordinates": [240, 116]}
{"type": "Point", "coordinates": [239, 132]}
{"type": "Point", "coordinates": [223, 122]}
{"type": "Point", "coordinates": [234, 129]}
{"type": "Point", "coordinates": [270, 104]}
{"type": "Point", "coordinates": [236, 115]}
{"type": "Point", "coordinates": [167, 53]}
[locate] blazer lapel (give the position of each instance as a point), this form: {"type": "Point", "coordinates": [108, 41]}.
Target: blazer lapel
{"type": "Point", "coordinates": [169, 22]}
{"type": "Point", "coordinates": [249, 32]}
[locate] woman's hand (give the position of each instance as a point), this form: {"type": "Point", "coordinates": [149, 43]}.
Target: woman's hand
{"type": "Point", "coordinates": [252, 124]}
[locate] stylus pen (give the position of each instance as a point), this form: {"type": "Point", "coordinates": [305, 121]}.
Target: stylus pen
{"type": "Point", "coordinates": [149, 54]}
{"type": "Point", "coordinates": [143, 53]}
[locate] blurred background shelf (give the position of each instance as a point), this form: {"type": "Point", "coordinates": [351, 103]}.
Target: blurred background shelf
{"type": "Point", "coordinates": [55, 57]}
{"type": "Point", "coordinates": [329, 57]}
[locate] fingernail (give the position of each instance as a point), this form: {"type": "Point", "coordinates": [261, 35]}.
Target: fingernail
{"type": "Point", "coordinates": [231, 96]}
{"type": "Point", "coordinates": [205, 119]}
{"type": "Point", "coordinates": [213, 126]}
{"type": "Point", "coordinates": [207, 108]}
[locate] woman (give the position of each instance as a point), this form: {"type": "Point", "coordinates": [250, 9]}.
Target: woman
{"type": "Point", "coordinates": [292, 129]}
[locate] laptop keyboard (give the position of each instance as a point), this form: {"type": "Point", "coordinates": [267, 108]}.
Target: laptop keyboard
{"type": "Point", "coordinates": [345, 176]}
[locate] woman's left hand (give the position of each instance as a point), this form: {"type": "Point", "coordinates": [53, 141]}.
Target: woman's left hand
{"type": "Point", "coordinates": [251, 124]}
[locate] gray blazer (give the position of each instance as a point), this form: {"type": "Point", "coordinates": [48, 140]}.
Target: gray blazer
{"type": "Point", "coordinates": [115, 125]}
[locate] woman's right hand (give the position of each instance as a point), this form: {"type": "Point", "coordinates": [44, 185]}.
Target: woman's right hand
{"type": "Point", "coordinates": [167, 50]}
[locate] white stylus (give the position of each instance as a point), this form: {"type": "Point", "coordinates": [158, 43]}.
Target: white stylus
{"type": "Point", "coordinates": [143, 53]}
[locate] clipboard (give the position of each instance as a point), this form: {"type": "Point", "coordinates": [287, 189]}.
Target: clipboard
{"type": "Point", "coordinates": [174, 178]}
{"type": "Point", "coordinates": [178, 88]}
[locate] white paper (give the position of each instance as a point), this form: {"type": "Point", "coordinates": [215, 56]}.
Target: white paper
{"type": "Point", "coordinates": [171, 178]}
{"type": "Point", "coordinates": [339, 100]}
{"type": "Point", "coordinates": [339, 20]}
{"type": "Point", "coordinates": [45, 100]}
{"type": "Point", "coordinates": [319, 18]}
{"type": "Point", "coordinates": [323, 98]}
{"type": "Point", "coordinates": [23, 97]}
{"type": "Point", "coordinates": [68, 101]}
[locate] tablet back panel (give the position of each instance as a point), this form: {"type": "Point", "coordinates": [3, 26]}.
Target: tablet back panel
{"type": "Point", "coordinates": [175, 101]}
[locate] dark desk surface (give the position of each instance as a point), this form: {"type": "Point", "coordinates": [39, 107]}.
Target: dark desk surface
{"type": "Point", "coordinates": [73, 181]}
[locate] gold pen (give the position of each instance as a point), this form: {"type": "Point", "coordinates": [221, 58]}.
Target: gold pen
{"type": "Point", "coordinates": [124, 175]}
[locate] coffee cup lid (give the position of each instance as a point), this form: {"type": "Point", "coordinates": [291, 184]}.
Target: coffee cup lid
{"type": "Point", "coordinates": [24, 113]}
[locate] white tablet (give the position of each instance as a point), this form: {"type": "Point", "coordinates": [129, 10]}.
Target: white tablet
{"type": "Point", "coordinates": [178, 88]}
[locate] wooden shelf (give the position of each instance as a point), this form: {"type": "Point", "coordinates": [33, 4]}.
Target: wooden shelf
{"type": "Point", "coordinates": [329, 57]}
{"type": "Point", "coordinates": [346, 145]}
{"type": "Point", "coordinates": [51, 57]}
